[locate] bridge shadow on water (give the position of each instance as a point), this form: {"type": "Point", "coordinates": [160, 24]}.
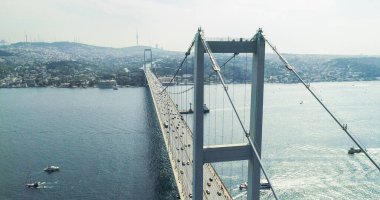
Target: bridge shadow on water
{"type": "Point", "coordinates": [160, 168]}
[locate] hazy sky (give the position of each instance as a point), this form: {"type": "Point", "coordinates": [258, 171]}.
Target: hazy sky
{"type": "Point", "coordinates": [294, 26]}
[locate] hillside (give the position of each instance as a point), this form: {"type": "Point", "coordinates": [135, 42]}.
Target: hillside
{"type": "Point", "coordinates": [76, 64]}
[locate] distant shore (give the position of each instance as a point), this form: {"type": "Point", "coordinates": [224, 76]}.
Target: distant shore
{"type": "Point", "coordinates": [271, 83]}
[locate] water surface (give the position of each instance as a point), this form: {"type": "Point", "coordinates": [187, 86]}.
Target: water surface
{"type": "Point", "coordinates": [106, 142]}
{"type": "Point", "coordinates": [108, 145]}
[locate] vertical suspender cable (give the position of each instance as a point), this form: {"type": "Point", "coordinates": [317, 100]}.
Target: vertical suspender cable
{"type": "Point", "coordinates": [245, 97]}
{"type": "Point", "coordinates": [215, 95]}
{"type": "Point", "coordinates": [209, 116]}
{"type": "Point", "coordinates": [232, 113]}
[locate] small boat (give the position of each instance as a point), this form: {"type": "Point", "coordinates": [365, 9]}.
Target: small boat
{"type": "Point", "coordinates": [353, 150]}
{"type": "Point", "coordinates": [190, 111]}
{"type": "Point", "coordinates": [205, 109]}
{"type": "Point", "coordinates": [263, 186]}
{"type": "Point", "coordinates": [243, 186]}
{"type": "Point", "coordinates": [51, 168]}
{"type": "Point", "coordinates": [30, 183]}
{"type": "Point", "coordinates": [115, 88]}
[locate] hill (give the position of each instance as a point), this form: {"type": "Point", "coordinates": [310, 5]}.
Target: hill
{"type": "Point", "coordinates": [75, 64]}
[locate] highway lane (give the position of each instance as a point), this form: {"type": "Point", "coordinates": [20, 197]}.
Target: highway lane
{"type": "Point", "coordinates": [178, 139]}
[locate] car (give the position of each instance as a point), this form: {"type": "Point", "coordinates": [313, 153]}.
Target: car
{"type": "Point", "coordinates": [207, 191]}
{"type": "Point", "coordinates": [209, 184]}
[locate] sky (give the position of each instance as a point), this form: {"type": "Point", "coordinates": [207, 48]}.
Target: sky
{"type": "Point", "coordinates": [294, 26]}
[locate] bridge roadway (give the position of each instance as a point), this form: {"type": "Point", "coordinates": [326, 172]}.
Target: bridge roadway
{"type": "Point", "coordinates": [178, 141]}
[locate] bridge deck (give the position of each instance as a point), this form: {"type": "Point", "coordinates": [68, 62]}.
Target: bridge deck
{"type": "Point", "coordinates": [178, 141]}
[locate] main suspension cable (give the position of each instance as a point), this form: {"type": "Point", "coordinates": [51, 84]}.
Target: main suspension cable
{"type": "Point", "coordinates": [180, 65]}
{"type": "Point", "coordinates": [216, 68]}
{"type": "Point", "coordinates": [342, 125]}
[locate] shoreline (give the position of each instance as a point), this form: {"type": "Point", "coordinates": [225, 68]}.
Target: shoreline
{"type": "Point", "coordinates": [248, 83]}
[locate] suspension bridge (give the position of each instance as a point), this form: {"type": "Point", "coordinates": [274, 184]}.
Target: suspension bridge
{"type": "Point", "coordinates": [190, 157]}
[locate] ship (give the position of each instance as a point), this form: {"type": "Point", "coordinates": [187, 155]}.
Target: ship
{"type": "Point", "coordinates": [190, 111]}
{"type": "Point", "coordinates": [30, 183]}
{"type": "Point", "coordinates": [51, 168]}
{"type": "Point", "coordinates": [353, 150]}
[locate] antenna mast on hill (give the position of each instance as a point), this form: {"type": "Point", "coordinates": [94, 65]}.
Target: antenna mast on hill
{"type": "Point", "coordinates": [137, 38]}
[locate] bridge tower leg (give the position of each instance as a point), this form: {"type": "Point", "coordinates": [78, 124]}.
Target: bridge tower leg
{"type": "Point", "coordinates": [144, 62]}
{"type": "Point", "coordinates": [232, 152]}
{"type": "Point", "coordinates": [198, 118]}
{"type": "Point", "coordinates": [256, 119]}
{"type": "Point", "coordinates": [151, 58]}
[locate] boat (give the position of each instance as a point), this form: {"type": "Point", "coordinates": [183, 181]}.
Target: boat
{"type": "Point", "coordinates": [115, 88]}
{"type": "Point", "coordinates": [205, 109]}
{"type": "Point", "coordinates": [263, 186]}
{"type": "Point", "coordinates": [30, 183]}
{"type": "Point", "coordinates": [243, 186]}
{"type": "Point", "coordinates": [51, 168]}
{"type": "Point", "coordinates": [353, 150]}
{"type": "Point", "coordinates": [190, 111]}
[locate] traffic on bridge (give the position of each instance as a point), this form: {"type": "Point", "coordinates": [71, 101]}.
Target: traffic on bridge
{"type": "Point", "coordinates": [178, 140]}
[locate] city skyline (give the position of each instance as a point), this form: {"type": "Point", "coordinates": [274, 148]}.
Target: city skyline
{"type": "Point", "coordinates": [322, 27]}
